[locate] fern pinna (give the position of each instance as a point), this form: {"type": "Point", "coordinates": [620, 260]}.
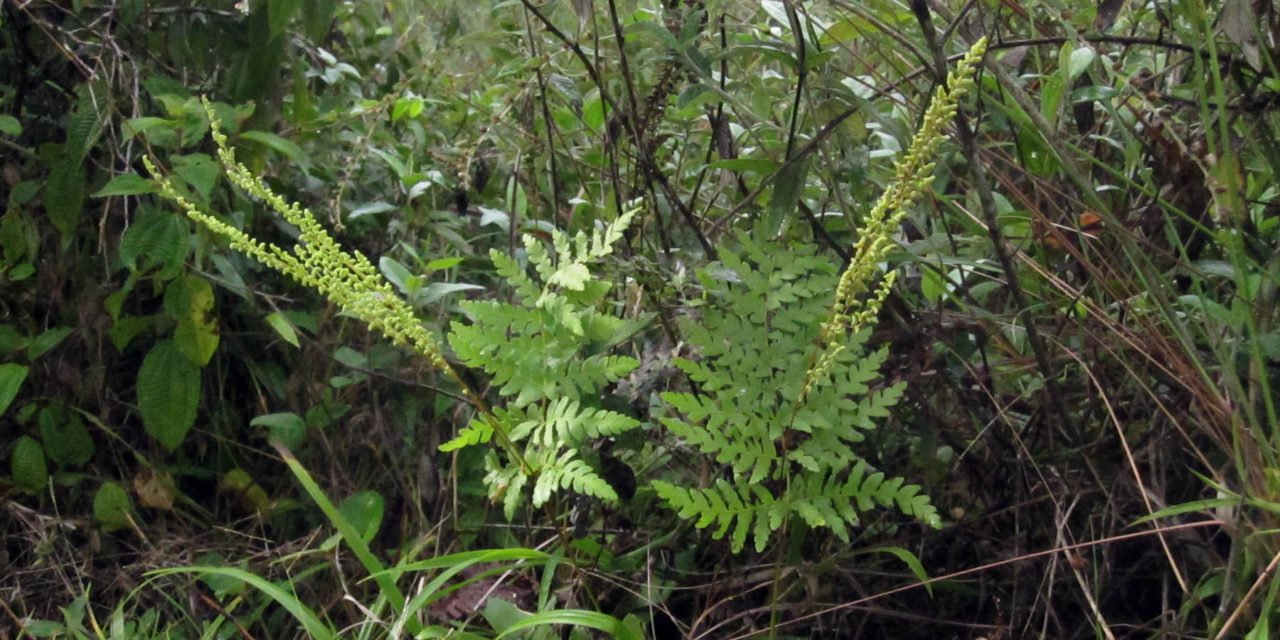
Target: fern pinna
{"type": "Point", "coordinates": [786, 452]}
{"type": "Point", "coordinates": [547, 352]}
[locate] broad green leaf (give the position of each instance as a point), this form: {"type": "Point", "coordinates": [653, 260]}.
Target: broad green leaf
{"type": "Point", "coordinates": [283, 328]}
{"type": "Point", "coordinates": [23, 192]}
{"type": "Point", "coordinates": [440, 264]}
{"type": "Point", "coordinates": [364, 511]}
{"type": "Point", "coordinates": [11, 378]}
{"type": "Point", "coordinates": [285, 427]}
{"type": "Point", "coordinates": [125, 329]}
{"type": "Point", "coordinates": [399, 275]}
{"type": "Point", "coordinates": [932, 285]}
{"type": "Point", "coordinates": [21, 272]}
{"type": "Point", "coordinates": [438, 290]}
{"type": "Point", "coordinates": [168, 393]}
{"type": "Point", "coordinates": [44, 629]}
{"type": "Point", "coordinates": [125, 184]}
{"type": "Point", "coordinates": [66, 439]}
{"type": "Point", "coordinates": [196, 335]}
{"type": "Point", "coordinates": [13, 241]}
{"type": "Point", "coordinates": [86, 122]}
{"type": "Point", "coordinates": [46, 341]}
{"type": "Point", "coordinates": [317, 16]}
{"type": "Point", "coordinates": [9, 125]}
{"type": "Point", "coordinates": [30, 472]}
{"type": "Point", "coordinates": [111, 507]}
{"type": "Point", "coordinates": [198, 170]}
{"type": "Point", "coordinates": [1079, 60]}
{"type": "Point", "coordinates": [370, 208]}
{"type": "Point", "coordinates": [64, 194]}
{"type": "Point", "coordinates": [762, 166]}
{"type": "Point", "coordinates": [787, 188]}
{"type": "Point", "coordinates": [593, 113]}
{"type": "Point", "coordinates": [274, 142]}
{"type": "Point", "coordinates": [279, 12]}
{"type": "Point", "coordinates": [154, 236]}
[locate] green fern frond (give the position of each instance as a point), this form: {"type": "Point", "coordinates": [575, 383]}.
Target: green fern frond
{"type": "Point", "coordinates": [779, 380]}
{"type": "Point", "coordinates": [566, 422]}
{"type": "Point", "coordinates": [547, 353]}
{"type": "Point", "coordinates": [569, 472]}
{"type": "Point", "coordinates": [748, 509]}
{"type": "Point", "coordinates": [478, 431]}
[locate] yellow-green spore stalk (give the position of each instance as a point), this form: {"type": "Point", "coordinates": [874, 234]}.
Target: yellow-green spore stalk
{"type": "Point", "coordinates": [914, 175]}
{"type": "Point", "coordinates": [347, 278]}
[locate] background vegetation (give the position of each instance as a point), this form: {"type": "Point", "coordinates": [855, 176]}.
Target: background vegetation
{"type": "Point", "coordinates": [1073, 361]}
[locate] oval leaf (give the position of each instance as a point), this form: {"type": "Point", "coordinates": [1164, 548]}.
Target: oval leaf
{"type": "Point", "coordinates": [27, 463]}
{"type": "Point", "coordinates": [67, 440]}
{"type": "Point", "coordinates": [168, 392]}
{"type": "Point", "coordinates": [111, 507]}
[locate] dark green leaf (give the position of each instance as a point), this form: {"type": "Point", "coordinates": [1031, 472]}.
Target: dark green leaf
{"type": "Point", "coordinates": [364, 511]}
{"type": "Point", "coordinates": [279, 12]}
{"type": "Point", "coordinates": [787, 188]}
{"type": "Point", "coordinates": [197, 333]}
{"type": "Point", "coordinates": [9, 125]}
{"type": "Point", "coordinates": [64, 194]}
{"type": "Point", "coordinates": [30, 472]}
{"type": "Point", "coordinates": [168, 393]}
{"type": "Point", "coordinates": [111, 507]}
{"type": "Point", "coordinates": [126, 184]}
{"type": "Point", "coordinates": [11, 378]}
{"type": "Point", "coordinates": [46, 341]}
{"type": "Point", "coordinates": [288, 428]}
{"type": "Point", "coordinates": [198, 170]}
{"type": "Point", "coordinates": [66, 439]}
{"type": "Point", "coordinates": [282, 327]}
{"type": "Point", "coordinates": [278, 144]}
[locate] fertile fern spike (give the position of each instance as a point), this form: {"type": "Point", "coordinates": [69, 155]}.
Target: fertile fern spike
{"type": "Point", "coordinates": [913, 175]}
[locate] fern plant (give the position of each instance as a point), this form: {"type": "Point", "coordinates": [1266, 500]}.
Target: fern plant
{"type": "Point", "coordinates": [785, 453]}
{"type": "Point", "coordinates": [784, 381]}
{"type": "Point", "coordinates": [548, 352]}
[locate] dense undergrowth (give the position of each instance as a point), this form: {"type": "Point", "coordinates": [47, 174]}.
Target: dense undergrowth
{"type": "Point", "coordinates": [626, 389]}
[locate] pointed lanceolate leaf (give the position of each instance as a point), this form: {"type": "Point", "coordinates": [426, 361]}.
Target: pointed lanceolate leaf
{"type": "Point", "coordinates": [168, 392]}
{"type": "Point", "coordinates": [11, 378]}
{"type": "Point", "coordinates": [64, 194]}
{"type": "Point", "coordinates": [788, 186]}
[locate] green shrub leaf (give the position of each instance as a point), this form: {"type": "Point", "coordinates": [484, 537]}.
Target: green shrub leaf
{"type": "Point", "coordinates": [66, 439]}
{"type": "Point", "coordinates": [111, 506]}
{"type": "Point", "coordinates": [30, 472]}
{"type": "Point", "coordinates": [11, 379]}
{"type": "Point", "coordinates": [168, 392]}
